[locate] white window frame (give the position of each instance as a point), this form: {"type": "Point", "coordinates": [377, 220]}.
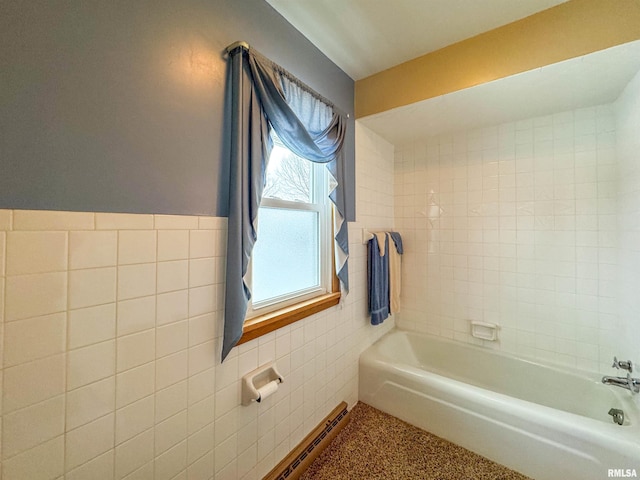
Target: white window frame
{"type": "Point", "coordinates": [323, 206]}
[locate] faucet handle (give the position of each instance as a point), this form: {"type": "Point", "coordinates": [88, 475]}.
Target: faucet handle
{"type": "Point", "coordinates": [623, 364]}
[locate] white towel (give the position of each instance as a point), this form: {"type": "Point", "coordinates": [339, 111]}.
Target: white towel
{"type": "Point", "coordinates": [382, 241]}
{"type": "Point", "coordinates": [395, 277]}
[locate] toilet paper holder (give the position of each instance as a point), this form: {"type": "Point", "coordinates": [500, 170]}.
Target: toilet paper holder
{"type": "Point", "coordinates": [260, 383]}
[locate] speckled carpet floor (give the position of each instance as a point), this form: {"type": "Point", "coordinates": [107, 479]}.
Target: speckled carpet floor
{"type": "Point", "coordinates": [375, 445]}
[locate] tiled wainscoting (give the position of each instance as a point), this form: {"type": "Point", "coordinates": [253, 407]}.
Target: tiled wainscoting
{"type": "Point", "coordinates": [111, 327]}
{"type": "Point", "coordinates": [111, 358]}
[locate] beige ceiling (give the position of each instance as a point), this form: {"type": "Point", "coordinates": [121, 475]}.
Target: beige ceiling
{"type": "Point", "coordinates": [364, 37]}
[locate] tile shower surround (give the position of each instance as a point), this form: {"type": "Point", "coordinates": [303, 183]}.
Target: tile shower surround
{"type": "Point", "coordinates": [627, 109]}
{"type": "Point", "coordinates": [518, 224]}
{"type": "Point", "coordinates": [111, 327]}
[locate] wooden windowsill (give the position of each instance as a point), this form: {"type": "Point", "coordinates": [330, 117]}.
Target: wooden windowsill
{"type": "Point", "coordinates": [263, 324]}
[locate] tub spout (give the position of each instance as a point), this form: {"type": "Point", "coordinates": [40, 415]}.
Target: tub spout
{"type": "Point", "coordinates": [631, 384]}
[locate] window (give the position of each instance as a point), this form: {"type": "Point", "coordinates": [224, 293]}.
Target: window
{"type": "Point", "coordinates": [263, 95]}
{"type": "Point", "coordinates": [292, 261]}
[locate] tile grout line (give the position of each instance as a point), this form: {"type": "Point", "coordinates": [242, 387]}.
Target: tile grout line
{"type": "Point", "coordinates": [66, 349]}
{"type": "Point", "coordinates": [4, 319]}
{"type": "Point", "coordinates": [189, 258]}
{"type": "Point", "coordinates": [115, 356]}
{"type": "Point", "coordinates": [155, 352]}
{"type": "Point", "coordinates": [188, 348]}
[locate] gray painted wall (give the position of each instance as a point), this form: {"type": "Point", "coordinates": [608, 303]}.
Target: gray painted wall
{"type": "Point", "coordinates": [118, 105]}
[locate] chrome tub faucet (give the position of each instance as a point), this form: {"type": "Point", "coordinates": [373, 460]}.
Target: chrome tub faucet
{"type": "Point", "coordinates": [622, 364]}
{"type": "Point", "coordinates": [631, 384]}
{"type": "Point", "coordinates": [628, 383]}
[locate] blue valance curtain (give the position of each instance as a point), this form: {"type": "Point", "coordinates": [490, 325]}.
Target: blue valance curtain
{"type": "Point", "coordinates": [264, 96]}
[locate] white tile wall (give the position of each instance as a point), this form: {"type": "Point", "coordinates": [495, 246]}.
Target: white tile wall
{"type": "Point", "coordinates": [515, 224]}
{"type": "Point", "coordinates": [627, 109]}
{"type": "Point", "coordinates": [111, 327]}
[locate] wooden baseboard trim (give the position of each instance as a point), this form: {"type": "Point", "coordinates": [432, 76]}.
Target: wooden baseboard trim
{"type": "Point", "coordinates": [299, 459]}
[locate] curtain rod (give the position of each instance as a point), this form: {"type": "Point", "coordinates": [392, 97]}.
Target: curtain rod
{"type": "Point", "coordinates": [245, 46]}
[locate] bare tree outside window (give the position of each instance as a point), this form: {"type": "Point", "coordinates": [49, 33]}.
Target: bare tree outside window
{"type": "Point", "coordinates": [288, 177]}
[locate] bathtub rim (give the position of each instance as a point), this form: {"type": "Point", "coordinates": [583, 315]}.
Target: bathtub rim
{"type": "Point", "coordinates": [630, 403]}
{"type": "Point", "coordinates": [581, 372]}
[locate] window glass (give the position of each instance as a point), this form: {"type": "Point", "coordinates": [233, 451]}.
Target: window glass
{"type": "Point", "coordinates": [286, 257]}
{"type": "Point", "coordinates": [291, 260]}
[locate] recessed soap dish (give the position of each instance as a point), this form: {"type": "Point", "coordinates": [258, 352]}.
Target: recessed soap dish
{"type": "Point", "coordinates": [484, 330]}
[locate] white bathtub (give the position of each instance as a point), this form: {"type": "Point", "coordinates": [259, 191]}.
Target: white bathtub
{"type": "Point", "coordinates": [544, 422]}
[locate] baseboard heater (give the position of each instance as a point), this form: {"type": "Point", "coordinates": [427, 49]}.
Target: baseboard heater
{"type": "Point", "coordinates": [299, 459]}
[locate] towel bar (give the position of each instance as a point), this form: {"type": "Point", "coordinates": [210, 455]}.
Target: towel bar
{"type": "Point", "coordinates": [367, 234]}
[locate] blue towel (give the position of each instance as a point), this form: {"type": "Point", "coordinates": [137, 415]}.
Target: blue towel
{"type": "Point", "coordinates": [397, 239]}
{"type": "Point", "coordinates": [378, 274]}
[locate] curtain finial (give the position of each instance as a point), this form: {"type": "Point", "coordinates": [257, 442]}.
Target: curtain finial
{"type": "Point", "coordinates": [238, 44]}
